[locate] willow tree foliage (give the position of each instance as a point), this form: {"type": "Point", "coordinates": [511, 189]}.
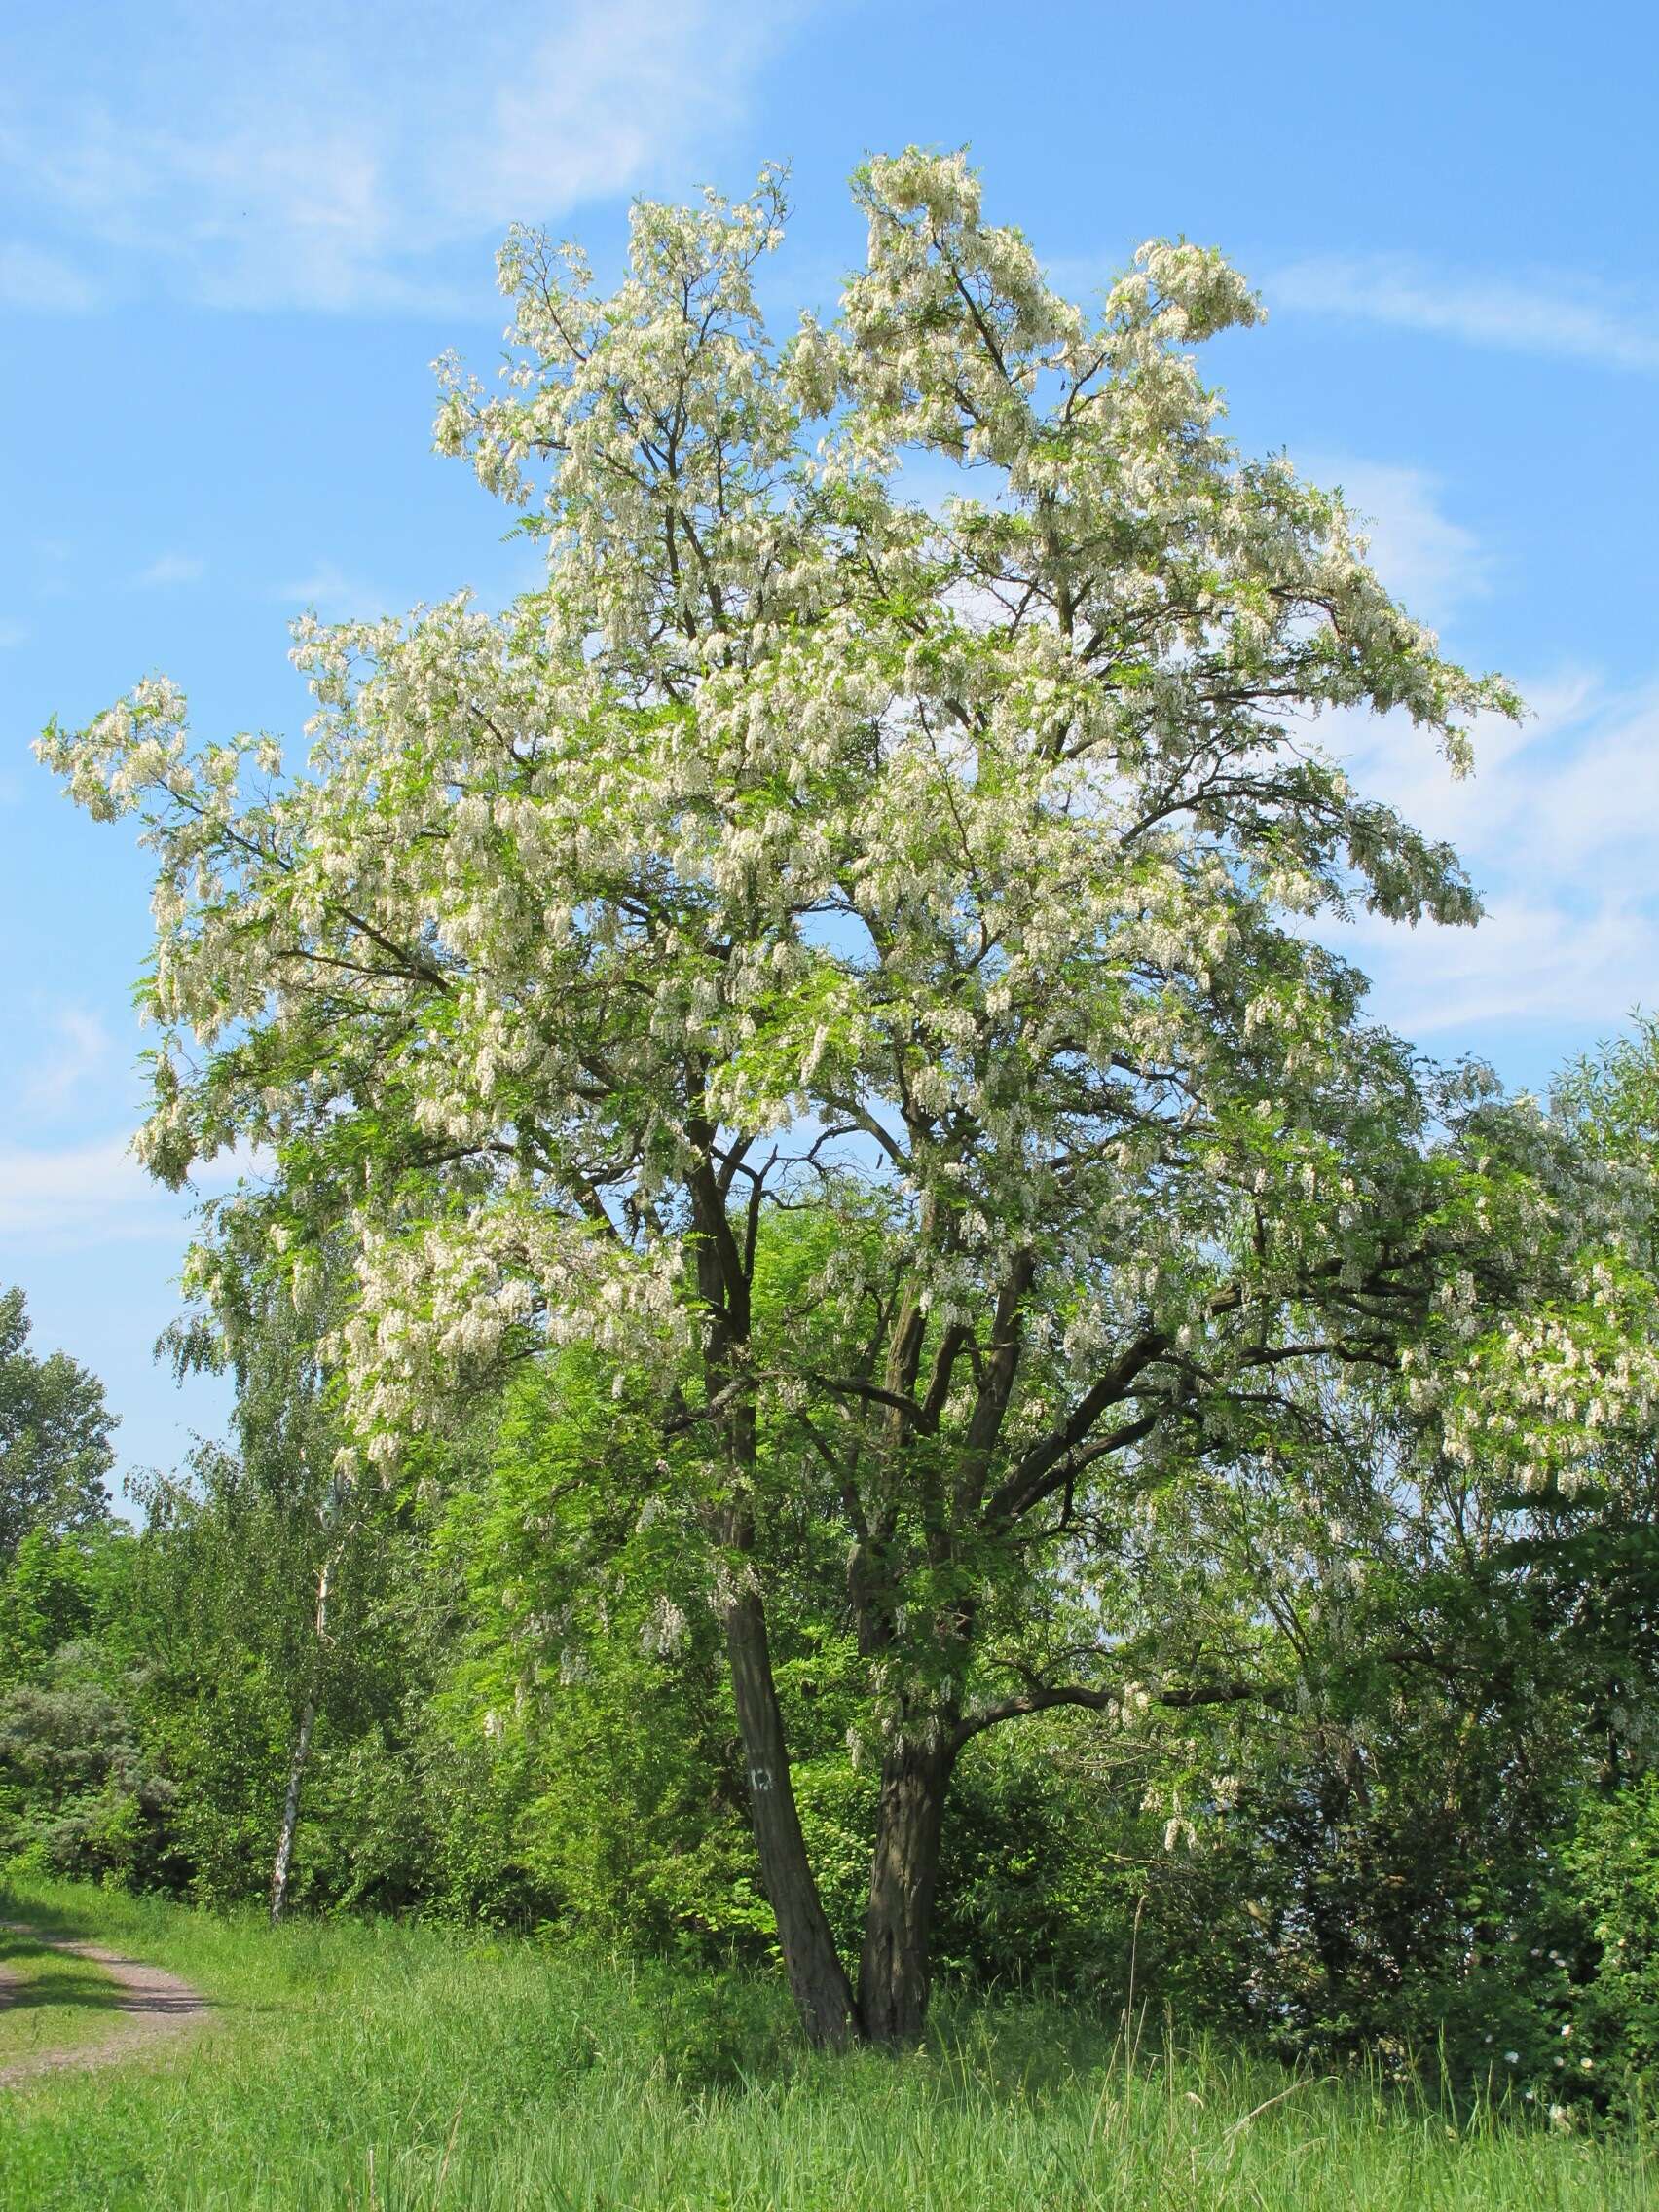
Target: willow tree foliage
{"type": "Point", "coordinates": [945, 868]}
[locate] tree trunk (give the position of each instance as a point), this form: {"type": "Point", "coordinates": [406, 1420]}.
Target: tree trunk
{"type": "Point", "coordinates": [894, 1970]}
{"type": "Point", "coordinates": [817, 1977]}
{"type": "Point", "coordinates": [291, 1812]}
{"type": "Point", "coordinates": [308, 1713]}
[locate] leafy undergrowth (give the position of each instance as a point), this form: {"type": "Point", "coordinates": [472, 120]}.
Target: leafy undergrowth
{"type": "Point", "coordinates": [49, 2001]}
{"type": "Point", "coordinates": [392, 2067]}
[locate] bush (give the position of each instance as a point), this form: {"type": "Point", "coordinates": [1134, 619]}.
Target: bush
{"type": "Point", "coordinates": [1610, 2003]}
{"type": "Point", "coordinates": [77, 1794]}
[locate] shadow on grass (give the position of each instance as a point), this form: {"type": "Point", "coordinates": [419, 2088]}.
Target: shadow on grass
{"type": "Point", "coordinates": [30, 1929]}
{"type": "Point", "coordinates": [40, 1973]}
{"type": "Point", "coordinates": [71, 1984]}
{"type": "Point", "coordinates": [45, 1920]}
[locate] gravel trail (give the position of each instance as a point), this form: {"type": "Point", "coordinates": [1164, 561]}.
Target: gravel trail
{"type": "Point", "coordinates": [150, 2007]}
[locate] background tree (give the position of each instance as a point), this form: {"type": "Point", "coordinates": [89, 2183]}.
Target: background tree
{"type": "Point", "coordinates": [1463, 1587]}
{"type": "Point", "coordinates": [55, 1436]}
{"type": "Point", "coordinates": [948, 871]}
{"type": "Point", "coordinates": [301, 1565]}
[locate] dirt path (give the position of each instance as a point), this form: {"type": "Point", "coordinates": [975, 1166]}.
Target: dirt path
{"type": "Point", "coordinates": [150, 2007]}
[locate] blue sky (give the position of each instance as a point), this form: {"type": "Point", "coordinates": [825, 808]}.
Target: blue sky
{"type": "Point", "coordinates": [231, 241]}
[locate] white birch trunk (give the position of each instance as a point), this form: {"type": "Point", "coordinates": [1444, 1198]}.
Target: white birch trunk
{"type": "Point", "coordinates": [308, 1718]}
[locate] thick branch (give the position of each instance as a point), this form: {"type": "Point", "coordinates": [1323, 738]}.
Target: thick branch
{"type": "Point", "coordinates": [1049, 1697]}
{"type": "Point", "coordinates": [1027, 1484]}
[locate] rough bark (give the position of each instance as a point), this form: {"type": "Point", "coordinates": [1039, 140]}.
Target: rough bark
{"type": "Point", "coordinates": [817, 1977]}
{"type": "Point", "coordinates": [894, 1967]}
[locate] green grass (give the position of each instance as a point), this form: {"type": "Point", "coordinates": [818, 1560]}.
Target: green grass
{"type": "Point", "coordinates": [50, 2002]}
{"type": "Point", "coordinates": [391, 2067]}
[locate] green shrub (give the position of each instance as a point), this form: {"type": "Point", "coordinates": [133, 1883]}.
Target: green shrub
{"type": "Point", "coordinates": [1610, 2007]}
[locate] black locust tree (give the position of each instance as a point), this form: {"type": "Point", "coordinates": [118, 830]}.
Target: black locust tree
{"type": "Point", "coordinates": [943, 866]}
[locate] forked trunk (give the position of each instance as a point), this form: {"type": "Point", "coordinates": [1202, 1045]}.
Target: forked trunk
{"type": "Point", "coordinates": [894, 1970]}
{"type": "Point", "coordinates": [817, 1977]}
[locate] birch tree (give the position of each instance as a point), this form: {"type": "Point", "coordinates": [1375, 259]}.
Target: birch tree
{"type": "Point", "coordinates": [279, 1498]}
{"type": "Point", "coordinates": [949, 867]}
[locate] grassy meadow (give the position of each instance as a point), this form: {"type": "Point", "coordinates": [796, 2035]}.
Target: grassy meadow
{"type": "Point", "coordinates": [398, 2067]}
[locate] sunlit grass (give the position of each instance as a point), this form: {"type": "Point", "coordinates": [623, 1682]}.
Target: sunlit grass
{"type": "Point", "coordinates": [395, 2067]}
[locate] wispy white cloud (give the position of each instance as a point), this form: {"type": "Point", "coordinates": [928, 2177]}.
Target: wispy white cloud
{"type": "Point", "coordinates": [79, 1048]}
{"type": "Point", "coordinates": [348, 595]}
{"type": "Point", "coordinates": [1574, 785]}
{"type": "Point", "coordinates": [605, 96]}
{"type": "Point", "coordinates": [66, 1198]}
{"type": "Point", "coordinates": [1560, 314]}
{"type": "Point", "coordinates": [89, 1193]}
{"type": "Point", "coordinates": [330, 591]}
{"type": "Point", "coordinates": [321, 157]}
{"type": "Point", "coordinates": [1427, 557]}
{"type": "Point", "coordinates": [169, 568]}
{"type": "Point", "coordinates": [1558, 824]}
{"type": "Point", "coordinates": [1538, 962]}
{"type": "Point", "coordinates": [12, 633]}
{"type": "Point", "coordinates": [33, 279]}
